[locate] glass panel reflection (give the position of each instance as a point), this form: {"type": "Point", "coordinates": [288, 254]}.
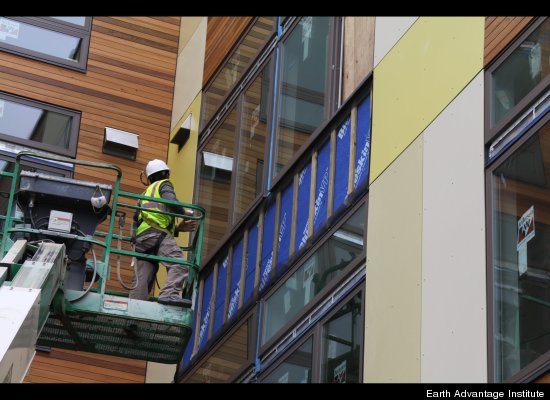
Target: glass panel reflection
{"type": "Point", "coordinates": [25, 122]}
{"type": "Point", "coordinates": [296, 368]}
{"type": "Point", "coordinates": [39, 39]}
{"type": "Point", "coordinates": [320, 269]}
{"type": "Point", "coordinates": [215, 181]}
{"type": "Point", "coordinates": [528, 65]}
{"type": "Point", "coordinates": [521, 255]}
{"type": "Point", "coordinates": [302, 97]}
{"type": "Point", "coordinates": [254, 126]}
{"type": "Point", "coordinates": [342, 339]}
{"type": "Point", "coordinates": [235, 66]}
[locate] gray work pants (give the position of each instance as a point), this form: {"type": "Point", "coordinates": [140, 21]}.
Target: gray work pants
{"type": "Point", "coordinates": [147, 270]}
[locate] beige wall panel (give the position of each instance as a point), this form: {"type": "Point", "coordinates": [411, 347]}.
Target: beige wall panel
{"type": "Point", "coordinates": [358, 59]}
{"type": "Point", "coordinates": [454, 320]}
{"type": "Point", "coordinates": [160, 373]}
{"type": "Point", "coordinates": [187, 29]}
{"type": "Point", "coordinates": [388, 32]}
{"type": "Point", "coordinates": [393, 294]}
{"type": "Point", "coordinates": [189, 72]}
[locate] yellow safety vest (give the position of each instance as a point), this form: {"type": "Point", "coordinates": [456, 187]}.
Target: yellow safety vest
{"type": "Point", "coordinates": [152, 219]}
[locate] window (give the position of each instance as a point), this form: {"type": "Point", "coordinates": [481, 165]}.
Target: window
{"type": "Point", "coordinates": [232, 356]}
{"type": "Point", "coordinates": [281, 101]}
{"type": "Point", "coordinates": [521, 74]}
{"type": "Point", "coordinates": [341, 344]}
{"type": "Point", "coordinates": [38, 125]}
{"type": "Point", "coordinates": [521, 254]}
{"type": "Point", "coordinates": [303, 101]}
{"type": "Point", "coordinates": [254, 131]}
{"type": "Point", "coordinates": [296, 368]}
{"type": "Point", "coordinates": [237, 63]}
{"type": "Point", "coordinates": [518, 189]}
{"type": "Point", "coordinates": [331, 352]}
{"type": "Point", "coordinates": [57, 40]}
{"type": "Point", "coordinates": [215, 177]}
{"type": "Point", "coordinates": [323, 266]}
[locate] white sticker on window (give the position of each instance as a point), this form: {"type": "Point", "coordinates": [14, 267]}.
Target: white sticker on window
{"type": "Point", "coordinates": [526, 226]}
{"type": "Point", "coordinates": [340, 373]}
{"type": "Point", "coordinates": [306, 35]}
{"type": "Point", "coordinates": [1, 108]}
{"type": "Point", "coordinates": [8, 29]}
{"type": "Point", "coordinates": [526, 232]}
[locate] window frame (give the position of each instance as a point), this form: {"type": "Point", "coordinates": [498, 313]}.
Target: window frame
{"type": "Point", "coordinates": [217, 115]}
{"type": "Point", "coordinates": [492, 132]}
{"type": "Point", "coordinates": [212, 346]}
{"type": "Point", "coordinates": [542, 363]}
{"type": "Point", "coordinates": [238, 106]}
{"type": "Point", "coordinates": [316, 332]}
{"type": "Point", "coordinates": [10, 157]}
{"type": "Point", "coordinates": [74, 132]}
{"type": "Point", "coordinates": [332, 83]}
{"type": "Point", "coordinates": [235, 99]}
{"type": "Point", "coordinates": [282, 278]}
{"type": "Point", "coordinates": [67, 28]}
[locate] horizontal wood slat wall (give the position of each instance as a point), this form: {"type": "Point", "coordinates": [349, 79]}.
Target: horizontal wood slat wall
{"type": "Point", "coordinates": [499, 32]}
{"type": "Point", "coordinates": [128, 85]}
{"type": "Point", "coordinates": [66, 366]}
{"type": "Point", "coordinates": [221, 35]}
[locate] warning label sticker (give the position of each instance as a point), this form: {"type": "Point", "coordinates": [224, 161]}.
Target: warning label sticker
{"type": "Point", "coordinates": [112, 304]}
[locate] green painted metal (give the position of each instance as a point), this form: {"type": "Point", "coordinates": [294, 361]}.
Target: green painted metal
{"type": "Point", "coordinates": [108, 322]}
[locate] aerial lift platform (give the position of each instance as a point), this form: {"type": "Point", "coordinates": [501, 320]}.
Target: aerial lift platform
{"type": "Point", "coordinates": [53, 294]}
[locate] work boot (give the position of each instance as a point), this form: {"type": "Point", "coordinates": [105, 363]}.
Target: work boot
{"type": "Point", "coordinates": [175, 301]}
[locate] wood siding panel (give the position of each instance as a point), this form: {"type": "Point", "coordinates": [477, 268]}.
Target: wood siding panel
{"type": "Point", "coordinates": [66, 366]}
{"type": "Point", "coordinates": [358, 60]}
{"type": "Point", "coordinates": [221, 35]}
{"type": "Point", "coordinates": [499, 32]}
{"type": "Point", "coordinates": [128, 85]}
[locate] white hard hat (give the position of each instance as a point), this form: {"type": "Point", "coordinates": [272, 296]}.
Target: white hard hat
{"type": "Point", "coordinates": [155, 166]}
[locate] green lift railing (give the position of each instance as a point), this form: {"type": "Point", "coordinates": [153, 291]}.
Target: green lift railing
{"type": "Point", "coordinates": [99, 320]}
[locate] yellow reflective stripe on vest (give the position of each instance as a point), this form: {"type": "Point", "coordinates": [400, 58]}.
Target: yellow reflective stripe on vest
{"type": "Point", "coordinates": [151, 219]}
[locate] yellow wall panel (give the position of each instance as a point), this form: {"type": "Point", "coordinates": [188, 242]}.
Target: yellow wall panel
{"type": "Point", "coordinates": [394, 271]}
{"type": "Point", "coordinates": [182, 168]}
{"type": "Point", "coordinates": [423, 72]}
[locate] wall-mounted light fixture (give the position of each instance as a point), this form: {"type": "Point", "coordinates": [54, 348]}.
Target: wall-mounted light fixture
{"type": "Point", "coordinates": [120, 143]}
{"type": "Point", "coordinates": [183, 133]}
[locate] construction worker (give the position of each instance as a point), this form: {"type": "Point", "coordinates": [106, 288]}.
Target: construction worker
{"type": "Point", "coordinates": [154, 234]}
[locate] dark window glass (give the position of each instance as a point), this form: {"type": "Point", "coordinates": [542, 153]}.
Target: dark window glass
{"type": "Point", "coordinates": [342, 343]}
{"type": "Point", "coordinates": [296, 368]}
{"type": "Point", "coordinates": [39, 38]}
{"type": "Point", "coordinates": [521, 255]}
{"type": "Point", "coordinates": [37, 125]}
{"type": "Point", "coordinates": [235, 66]}
{"type": "Point", "coordinates": [254, 130]}
{"type": "Point", "coordinates": [527, 66]}
{"type": "Point", "coordinates": [316, 272]}
{"type": "Point", "coordinates": [215, 181]}
{"type": "Point", "coordinates": [302, 88]}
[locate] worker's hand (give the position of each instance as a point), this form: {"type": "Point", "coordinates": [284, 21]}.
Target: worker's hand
{"type": "Point", "coordinates": [187, 225]}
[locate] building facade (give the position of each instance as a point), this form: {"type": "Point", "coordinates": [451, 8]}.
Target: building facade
{"type": "Point", "coordinates": [375, 186]}
{"type": "Point", "coordinates": [368, 183]}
